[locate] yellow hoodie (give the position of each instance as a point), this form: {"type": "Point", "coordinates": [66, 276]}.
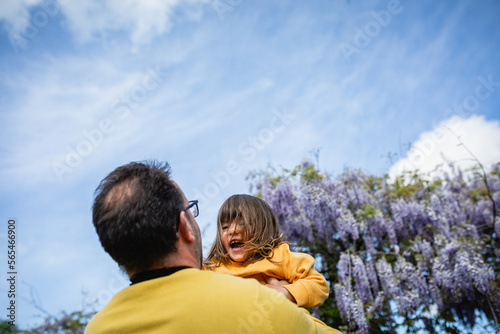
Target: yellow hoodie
{"type": "Point", "coordinates": [307, 286]}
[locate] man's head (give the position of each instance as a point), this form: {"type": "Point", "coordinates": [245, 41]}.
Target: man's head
{"type": "Point", "coordinates": [136, 211]}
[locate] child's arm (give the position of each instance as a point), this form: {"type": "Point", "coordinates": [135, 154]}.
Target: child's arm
{"type": "Point", "coordinates": [307, 286]}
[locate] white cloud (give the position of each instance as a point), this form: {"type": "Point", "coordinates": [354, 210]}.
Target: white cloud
{"type": "Point", "coordinates": [142, 20]}
{"type": "Point", "coordinates": [139, 20]}
{"type": "Point", "coordinates": [16, 14]}
{"type": "Point", "coordinates": [443, 145]}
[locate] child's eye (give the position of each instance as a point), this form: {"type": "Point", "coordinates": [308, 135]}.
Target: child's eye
{"type": "Point", "coordinates": [225, 227]}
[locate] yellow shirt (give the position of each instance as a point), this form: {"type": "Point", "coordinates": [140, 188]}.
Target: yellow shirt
{"type": "Point", "coordinates": [307, 286]}
{"type": "Point", "coordinates": [192, 301]}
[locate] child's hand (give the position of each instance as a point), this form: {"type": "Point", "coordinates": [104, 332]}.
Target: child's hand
{"type": "Point", "coordinates": [277, 285]}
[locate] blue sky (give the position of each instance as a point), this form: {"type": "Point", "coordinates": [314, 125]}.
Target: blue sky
{"type": "Point", "coordinates": [219, 88]}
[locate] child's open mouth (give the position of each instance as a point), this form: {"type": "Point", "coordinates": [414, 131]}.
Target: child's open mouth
{"type": "Point", "coordinates": [236, 245]}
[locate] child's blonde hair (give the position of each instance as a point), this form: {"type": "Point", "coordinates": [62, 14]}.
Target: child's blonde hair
{"type": "Point", "coordinates": [258, 220]}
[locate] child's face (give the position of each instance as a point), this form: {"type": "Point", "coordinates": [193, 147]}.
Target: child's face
{"type": "Point", "coordinates": [233, 239]}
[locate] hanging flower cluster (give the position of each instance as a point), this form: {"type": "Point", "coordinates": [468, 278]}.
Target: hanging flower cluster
{"type": "Point", "coordinates": [394, 249]}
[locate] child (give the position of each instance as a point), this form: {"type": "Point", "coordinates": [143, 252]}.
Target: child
{"type": "Point", "coordinates": [248, 245]}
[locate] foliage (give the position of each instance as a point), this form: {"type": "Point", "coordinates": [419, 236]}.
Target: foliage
{"type": "Point", "coordinates": [416, 253]}
{"type": "Point", "coordinates": [7, 328]}
{"type": "Point", "coordinates": [72, 323]}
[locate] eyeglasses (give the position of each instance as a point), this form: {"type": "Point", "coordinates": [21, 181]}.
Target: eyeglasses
{"type": "Point", "coordinates": [193, 207]}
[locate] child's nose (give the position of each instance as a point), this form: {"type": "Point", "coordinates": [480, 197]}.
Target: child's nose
{"type": "Point", "coordinates": [235, 228]}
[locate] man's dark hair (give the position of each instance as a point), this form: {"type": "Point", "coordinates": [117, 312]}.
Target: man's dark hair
{"type": "Point", "coordinates": [135, 213]}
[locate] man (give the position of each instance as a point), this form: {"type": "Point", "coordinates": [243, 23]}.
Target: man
{"type": "Point", "coordinates": [147, 225]}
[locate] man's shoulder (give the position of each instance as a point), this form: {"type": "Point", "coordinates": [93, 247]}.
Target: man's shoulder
{"type": "Point", "coordinates": [212, 296]}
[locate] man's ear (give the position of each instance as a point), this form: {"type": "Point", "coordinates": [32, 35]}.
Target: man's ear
{"type": "Point", "coordinates": [185, 227]}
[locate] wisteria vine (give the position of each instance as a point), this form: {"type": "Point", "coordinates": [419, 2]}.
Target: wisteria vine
{"type": "Point", "coordinates": [392, 249]}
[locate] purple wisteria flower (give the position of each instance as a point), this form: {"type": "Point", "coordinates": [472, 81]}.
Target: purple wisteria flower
{"type": "Point", "coordinates": [362, 284]}
{"type": "Point", "coordinates": [425, 248]}
{"type": "Point", "coordinates": [283, 200]}
{"type": "Point", "coordinates": [482, 274]}
{"type": "Point", "coordinates": [462, 282]}
{"type": "Point", "coordinates": [347, 225]}
{"type": "Point", "coordinates": [379, 301]}
{"type": "Point", "coordinates": [409, 217]}
{"type": "Point", "coordinates": [411, 284]}
{"type": "Point", "coordinates": [372, 276]}
{"type": "Point", "coordinates": [386, 277]}
{"type": "Point", "coordinates": [341, 300]}
{"type": "Point", "coordinates": [497, 225]}
{"type": "Point", "coordinates": [350, 307]}
{"type": "Point", "coordinates": [343, 267]}
{"type": "Point", "coordinates": [370, 247]}
{"type": "Point", "coordinates": [435, 293]}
